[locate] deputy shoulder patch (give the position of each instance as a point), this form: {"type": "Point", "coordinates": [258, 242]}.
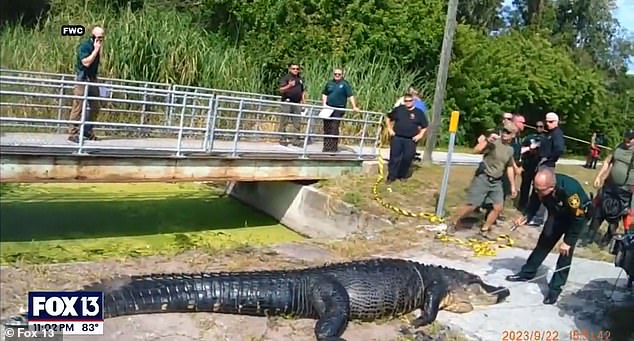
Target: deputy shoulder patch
{"type": "Point", "coordinates": [574, 201]}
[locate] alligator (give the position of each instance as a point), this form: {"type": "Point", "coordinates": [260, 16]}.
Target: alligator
{"type": "Point", "coordinates": [333, 294]}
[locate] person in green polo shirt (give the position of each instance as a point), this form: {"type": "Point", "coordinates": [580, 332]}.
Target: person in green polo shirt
{"type": "Point", "coordinates": [336, 93]}
{"type": "Point", "coordinates": [86, 67]}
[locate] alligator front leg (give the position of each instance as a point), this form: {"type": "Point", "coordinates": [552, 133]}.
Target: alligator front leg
{"type": "Point", "coordinates": [431, 303]}
{"type": "Point", "coordinates": [332, 304]}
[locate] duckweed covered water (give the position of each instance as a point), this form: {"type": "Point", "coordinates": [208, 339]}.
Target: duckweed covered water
{"type": "Point", "coordinates": [51, 223]}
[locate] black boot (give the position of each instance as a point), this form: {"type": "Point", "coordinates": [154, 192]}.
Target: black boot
{"type": "Point", "coordinates": [518, 277]}
{"type": "Point", "coordinates": [551, 298]}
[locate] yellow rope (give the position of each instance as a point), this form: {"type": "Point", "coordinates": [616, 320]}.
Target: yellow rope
{"type": "Point", "coordinates": [479, 247]}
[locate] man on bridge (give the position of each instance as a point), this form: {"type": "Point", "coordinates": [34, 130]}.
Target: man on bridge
{"type": "Point", "coordinates": [406, 125]}
{"type": "Point", "coordinates": [86, 67]}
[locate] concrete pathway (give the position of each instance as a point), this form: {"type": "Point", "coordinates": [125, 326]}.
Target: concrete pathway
{"type": "Point", "coordinates": [439, 157]}
{"type": "Point", "coordinates": [584, 300]}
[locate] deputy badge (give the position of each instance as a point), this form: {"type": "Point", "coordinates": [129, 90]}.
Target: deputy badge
{"type": "Point", "coordinates": [574, 201]}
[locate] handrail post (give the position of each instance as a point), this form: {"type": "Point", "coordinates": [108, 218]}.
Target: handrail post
{"type": "Point", "coordinates": [309, 114]}
{"type": "Point", "coordinates": [143, 109]}
{"type": "Point", "coordinates": [377, 138]}
{"type": "Point", "coordinates": [212, 125]}
{"type": "Point", "coordinates": [258, 116]}
{"type": "Point", "coordinates": [169, 109]}
{"type": "Point", "coordinates": [180, 130]}
{"type": "Point", "coordinates": [234, 152]}
{"type": "Point", "coordinates": [83, 120]}
{"type": "Point", "coordinates": [60, 103]}
{"type": "Point", "coordinates": [191, 122]}
{"type": "Point", "coordinates": [206, 137]}
{"type": "Point", "coordinates": [363, 130]}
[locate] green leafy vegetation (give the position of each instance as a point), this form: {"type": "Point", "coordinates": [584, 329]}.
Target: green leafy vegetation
{"type": "Point", "coordinates": [564, 56]}
{"type": "Point", "coordinates": [51, 223]}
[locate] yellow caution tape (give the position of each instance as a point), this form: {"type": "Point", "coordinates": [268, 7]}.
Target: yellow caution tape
{"type": "Point", "coordinates": [479, 247]}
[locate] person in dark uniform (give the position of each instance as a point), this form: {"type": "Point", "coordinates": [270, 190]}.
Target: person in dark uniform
{"type": "Point", "coordinates": [336, 94]}
{"type": "Point", "coordinates": [293, 91]}
{"type": "Point", "coordinates": [567, 203]}
{"type": "Point", "coordinates": [553, 144]}
{"type": "Point", "coordinates": [406, 125]}
{"type": "Point", "coordinates": [530, 159]}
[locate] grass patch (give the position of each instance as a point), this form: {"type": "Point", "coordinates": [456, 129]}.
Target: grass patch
{"type": "Point", "coordinates": [51, 223]}
{"type": "Point", "coordinates": [420, 194]}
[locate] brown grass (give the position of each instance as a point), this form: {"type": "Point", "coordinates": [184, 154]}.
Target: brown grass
{"type": "Point", "coordinates": [420, 194]}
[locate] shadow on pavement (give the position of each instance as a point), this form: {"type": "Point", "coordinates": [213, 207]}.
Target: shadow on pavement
{"type": "Point", "coordinates": [600, 308]}
{"type": "Point", "coordinates": [514, 265]}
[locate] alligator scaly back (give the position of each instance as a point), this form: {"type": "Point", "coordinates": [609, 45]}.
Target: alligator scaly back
{"type": "Point", "coordinates": [332, 294]}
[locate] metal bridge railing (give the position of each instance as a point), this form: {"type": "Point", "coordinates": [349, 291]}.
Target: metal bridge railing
{"type": "Point", "coordinates": [145, 117]}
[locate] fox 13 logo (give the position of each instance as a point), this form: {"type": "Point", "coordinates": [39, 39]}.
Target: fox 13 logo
{"type": "Point", "coordinates": [67, 312]}
{"type": "Point", "coordinates": [73, 30]}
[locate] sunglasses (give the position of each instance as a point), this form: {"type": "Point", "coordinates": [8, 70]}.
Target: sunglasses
{"type": "Point", "coordinates": [337, 74]}
{"type": "Point", "coordinates": [552, 121]}
{"type": "Point", "coordinates": [407, 100]}
{"type": "Point", "coordinates": [540, 126]}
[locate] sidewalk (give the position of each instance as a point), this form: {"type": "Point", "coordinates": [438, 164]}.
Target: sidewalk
{"type": "Point", "coordinates": [585, 298]}
{"type": "Point", "coordinates": [439, 157]}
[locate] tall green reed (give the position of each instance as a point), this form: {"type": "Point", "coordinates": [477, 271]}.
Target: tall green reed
{"type": "Point", "coordinates": [168, 46]}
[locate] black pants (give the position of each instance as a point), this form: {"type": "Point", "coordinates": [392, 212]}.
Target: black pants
{"type": "Point", "coordinates": [402, 153]}
{"type": "Point", "coordinates": [525, 187]}
{"type": "Point", "coordinates": [331, 127]}
{"type": "Point", "coordinates": [553, 230]}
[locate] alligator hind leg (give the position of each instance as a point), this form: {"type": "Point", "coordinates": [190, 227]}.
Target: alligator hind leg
{"type": "Point", "coordinates": [431, 304]}
{"type": "Point", "coordinates": [332, 304]}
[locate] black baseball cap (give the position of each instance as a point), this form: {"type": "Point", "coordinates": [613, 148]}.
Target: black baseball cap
{"type": "Point", "coordinates": [629, 134]}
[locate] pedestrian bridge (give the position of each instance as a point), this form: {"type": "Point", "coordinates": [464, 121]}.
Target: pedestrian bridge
{"type": "Point", "coordinates": [167, 132]}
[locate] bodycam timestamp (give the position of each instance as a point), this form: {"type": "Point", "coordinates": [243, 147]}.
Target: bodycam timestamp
{"type": "Point", "coordinates": [555, 335]}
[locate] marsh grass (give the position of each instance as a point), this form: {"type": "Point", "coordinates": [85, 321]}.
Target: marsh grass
{"type": "Point", "coordinates": [168, 46]}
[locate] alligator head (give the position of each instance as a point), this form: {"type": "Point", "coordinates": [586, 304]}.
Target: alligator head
{"type": "Point", "coordinates": [466, 290]}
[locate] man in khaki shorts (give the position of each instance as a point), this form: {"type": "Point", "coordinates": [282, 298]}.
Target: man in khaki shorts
{"type": "Point", "coordinates": [497, 162]}
{"type": "Point", "coordinates": [87, 65]}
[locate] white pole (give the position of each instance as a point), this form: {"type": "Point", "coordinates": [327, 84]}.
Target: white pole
{"type": "Point", "coordinates": [453, 128]}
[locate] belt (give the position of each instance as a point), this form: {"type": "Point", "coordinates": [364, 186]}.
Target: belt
{"type": "Point", "coordinates": [490, 178]}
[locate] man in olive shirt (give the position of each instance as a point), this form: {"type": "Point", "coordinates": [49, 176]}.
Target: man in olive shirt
{"type": "Point", "coordinates": [336, 94]}
{"type": "Point", "coordinates": [293, 91]}
{"type": "Point", "coordinates": [86, 67]}
{"type": "Point", "coordinates": [566, 202]}
{"type": "Point", "coordinates": [497, 162]}
{"type": "Point", "coordinates": [619, 170]}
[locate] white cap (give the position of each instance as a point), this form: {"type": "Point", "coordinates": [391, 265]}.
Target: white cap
{"type": "Point", "coordinates": [551, 116]}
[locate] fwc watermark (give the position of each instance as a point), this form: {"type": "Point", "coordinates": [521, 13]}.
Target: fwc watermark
{"type": "Point", "coordinates": [73, 30]}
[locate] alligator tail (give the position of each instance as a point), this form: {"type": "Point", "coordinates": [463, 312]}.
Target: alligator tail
{"type": "Point", "coordinates": [233, 293]}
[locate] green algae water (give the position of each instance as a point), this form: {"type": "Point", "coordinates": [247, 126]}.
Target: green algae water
{"type": "Point", "coordinates": [55, 223]}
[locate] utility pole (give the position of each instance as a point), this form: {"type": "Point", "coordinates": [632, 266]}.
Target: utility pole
{"type": "Point", "coordinates": [441, 80]}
